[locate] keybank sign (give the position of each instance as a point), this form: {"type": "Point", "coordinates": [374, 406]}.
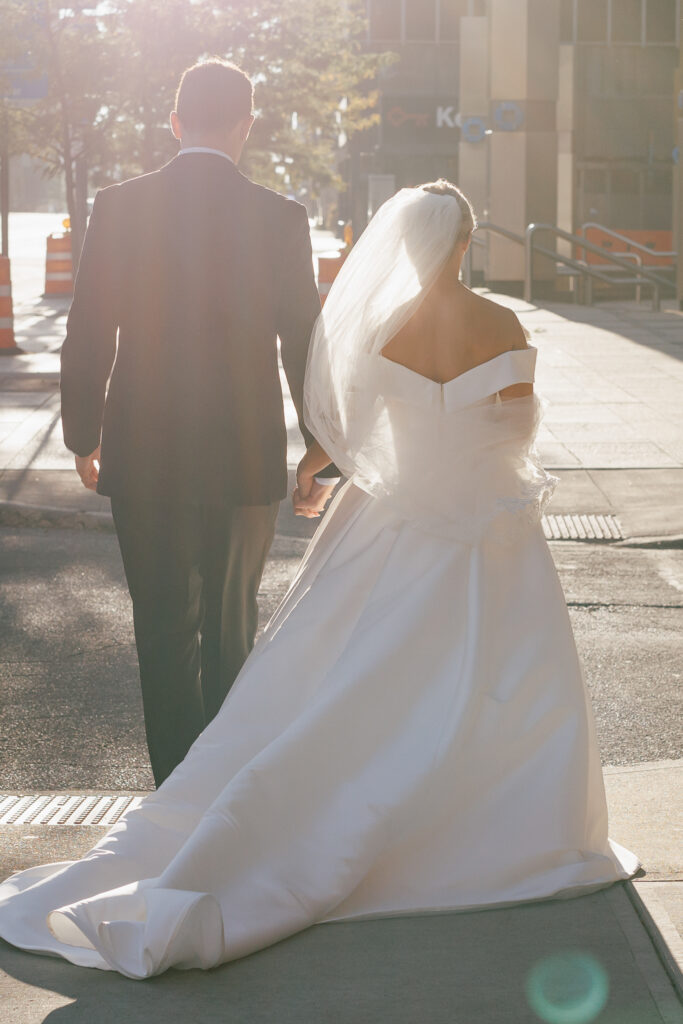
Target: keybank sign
{"type": "Point", "coordinates": [427, 125]}
{"type": "Point", "coordinates": [424, 122]}
{"type": "Point", "coordinates": [445, 117]}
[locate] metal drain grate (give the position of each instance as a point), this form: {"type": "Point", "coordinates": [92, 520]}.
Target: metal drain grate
{"type": "Point", "coordinates": [582, 527]}
{"type": "Point", "coordinates": [65, 809]}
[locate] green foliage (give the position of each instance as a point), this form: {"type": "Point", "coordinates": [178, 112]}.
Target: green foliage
{"type": "Point", "coordinates": [113, 69]}
{"type": "Point", "coordinates": [308, 59]}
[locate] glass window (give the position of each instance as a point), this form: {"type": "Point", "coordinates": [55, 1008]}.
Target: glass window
{"type": "Point", "coordinates": [385, 19]}
{"type": "Point", "coordinates": [592, 195]}
{"type": "Point", "coordinates": [624, 181]}
{"type": "Point", "coordinates": [657, 181]}
{"type": "Point", "coordinates": [657, 68]}
{"type": "Point", "coordinates": [592, 21]}
{"type": "Point", "coordinates": [421, 20]}
{"type": "Point", "coordinates": [657, 199]}
{"type": "Point", "coordinates": [660, 21]}
{"type": "Point", "coordinates": [450, 14]}
{"type": "Point", "coordinates": [594, 180]}
{"type": "Point", "coordinates": [619, 72]}
{"type": "Point", "coordinates": [567, 21]}
{"type": "Point", "coordinates": [626, 21]}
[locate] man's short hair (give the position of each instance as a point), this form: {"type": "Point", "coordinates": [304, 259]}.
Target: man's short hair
{"type": "Point", "coordinates": [213, 95]}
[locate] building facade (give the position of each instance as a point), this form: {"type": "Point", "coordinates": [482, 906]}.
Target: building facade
{"type": "Point", "coordinates": [559, 111]}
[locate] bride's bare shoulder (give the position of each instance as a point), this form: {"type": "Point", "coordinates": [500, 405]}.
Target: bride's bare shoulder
{"type": "Point", "coordinates": [500, 323]}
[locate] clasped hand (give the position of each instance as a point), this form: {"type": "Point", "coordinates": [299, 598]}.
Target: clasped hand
{"type": "Point", "coordinates": [310, 497]}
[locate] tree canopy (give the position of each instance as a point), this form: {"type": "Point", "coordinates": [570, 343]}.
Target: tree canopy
{"type": "Point", "coordinates": [113, 67]}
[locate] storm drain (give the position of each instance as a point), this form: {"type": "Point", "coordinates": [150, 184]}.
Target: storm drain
{"type": "Point", "coordinates": [65, 809]}
{"type": "Point", "coordinates": [582, 527]}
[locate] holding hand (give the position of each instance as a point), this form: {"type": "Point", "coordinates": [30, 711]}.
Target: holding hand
{"type": "Point", "coordinates": [310, 496]}
{"type": "Point", "coordinates": [88, 468]}
{"type": "Point", "coordinates": [311, 503]}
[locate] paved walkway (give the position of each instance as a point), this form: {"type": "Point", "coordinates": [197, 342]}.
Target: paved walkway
{"type": "Point", "coordinates": [619, 947]}
{"type": "Point", "coordinates": [613, 429]}
{"type": "Point", "coordinates": [555, 961]}
{"type": "Point", "coordinates": [613, 432]}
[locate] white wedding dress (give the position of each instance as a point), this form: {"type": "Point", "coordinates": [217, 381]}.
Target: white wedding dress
{"type": "Point", "coordinates": [411, 733]}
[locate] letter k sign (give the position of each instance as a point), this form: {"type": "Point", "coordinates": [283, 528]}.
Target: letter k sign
{"type": "Point", "coordinates": [445, 117]}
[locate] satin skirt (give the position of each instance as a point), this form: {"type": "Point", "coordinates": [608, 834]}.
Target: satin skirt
{"type": "Point", "coordinates": [411, 733]}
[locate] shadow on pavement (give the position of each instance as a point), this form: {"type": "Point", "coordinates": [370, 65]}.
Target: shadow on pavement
{"type": "Point", "coordinates": [662, 331]}
{"type": "Point", "coordinates": [466, 968]}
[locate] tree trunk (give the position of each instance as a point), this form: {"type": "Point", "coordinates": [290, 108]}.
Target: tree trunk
{"type": "Point", "coordinates": [77, 230]}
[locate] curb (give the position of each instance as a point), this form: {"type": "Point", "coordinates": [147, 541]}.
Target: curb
{"type": "Point", "coordinates": [674, 541]}
{"type": "Point", "coordinates": [663, 934]}
{"type": "Point", "coordinates": [14, 513]}
{"type": "Point", "coordinates": [17, 514]}
{"type": "Point", "coordinates": [29, 380]}
{"type": "Point", "coordinates": [44, 517]}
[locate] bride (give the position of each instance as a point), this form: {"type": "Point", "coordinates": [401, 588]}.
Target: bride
{"type": "Point", "coordinates": [412, 731]}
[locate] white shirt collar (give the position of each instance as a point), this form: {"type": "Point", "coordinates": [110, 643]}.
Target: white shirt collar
{"type": "Point", "coordinates": [204, 149]}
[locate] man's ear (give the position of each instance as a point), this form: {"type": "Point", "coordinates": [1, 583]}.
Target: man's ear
{"type": "Point", "coordinates": [176, 128]}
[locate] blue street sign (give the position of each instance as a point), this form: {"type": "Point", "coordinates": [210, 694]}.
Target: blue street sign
{"type": "Point", "coordinates": [21, 85]}
{"type": "Point", "coordinates": [473, 129]}
{"type": "Point", "coordinates": [509, 116]}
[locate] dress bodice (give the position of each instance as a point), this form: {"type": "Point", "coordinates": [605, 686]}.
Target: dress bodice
{"type": "Point", "coordinates": [460, 457]}
{"type": "Point", "coordinates": [483, 381]}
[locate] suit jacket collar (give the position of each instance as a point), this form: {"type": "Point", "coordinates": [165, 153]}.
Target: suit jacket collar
{"type": "Point", "coordinates": [197, 159]}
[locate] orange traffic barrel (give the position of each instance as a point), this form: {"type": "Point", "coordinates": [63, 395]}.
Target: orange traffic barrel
{"type": "Point", "coordinates": [8, 346]}
{"type": "Point", "coordinates": [659, 242]}
{"type": "Point", "coordinates": [328, 268]}
{"type": "Point", "coordinates": [59, 279]}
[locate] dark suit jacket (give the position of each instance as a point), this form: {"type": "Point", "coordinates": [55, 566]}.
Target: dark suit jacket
{"type": "Point", "coordinates": [199, 270]}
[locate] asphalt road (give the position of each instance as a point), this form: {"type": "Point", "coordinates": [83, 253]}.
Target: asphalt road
{"type": "Point", "coordinates": [72, 716]}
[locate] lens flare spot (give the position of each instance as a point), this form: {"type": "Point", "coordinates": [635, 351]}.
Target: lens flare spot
{"type": "Point", "coordinates": [567, 988]}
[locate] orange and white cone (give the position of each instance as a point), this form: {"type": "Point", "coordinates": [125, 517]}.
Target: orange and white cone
{"type": "Point", "coordinates": [59, 278]}
{"type": "Point", "coordinates": [8, 346]}
{"type": "Point", "coordinates": [328, 268]}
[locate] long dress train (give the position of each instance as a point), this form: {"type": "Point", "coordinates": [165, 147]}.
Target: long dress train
{"type": "Point", "coordinates": [411, 733]}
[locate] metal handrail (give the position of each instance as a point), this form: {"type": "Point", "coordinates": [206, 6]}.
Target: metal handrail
{"type": "Point", "coordinates": [638, 260]}
{"type": "Point", "coordinates": [624, 238]}
{"type": "Point", "coordinates": [467, 260]}
{"type": "Point", "coordinates": [486, 225]}
{"type": "Point", "coordinates": [580, 266]}
{"type": "Point", "coordinates": [588, 269]}
{"type": "Point", "coordinates": [585, 270]}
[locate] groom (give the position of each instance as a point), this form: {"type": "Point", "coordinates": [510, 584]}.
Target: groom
{"type": "Point", "coordinates": [186, 278]}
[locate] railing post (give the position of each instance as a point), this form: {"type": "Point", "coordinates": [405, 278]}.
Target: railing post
{"type": "Point", "coordinates": [467, 267]}
{"type": "Point", "coordinates": [528, 261]}
{"type": "Point", "coordinates": [655, 298]}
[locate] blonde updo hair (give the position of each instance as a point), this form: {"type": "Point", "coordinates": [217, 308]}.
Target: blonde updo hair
{"type": "Point", "coordinates": [442, 187]}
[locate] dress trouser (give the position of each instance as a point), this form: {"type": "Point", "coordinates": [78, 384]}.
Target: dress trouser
{"type": "Point", "coordinates": [193, 573]}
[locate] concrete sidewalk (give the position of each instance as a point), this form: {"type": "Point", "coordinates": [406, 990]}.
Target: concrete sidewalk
{"type": "Point", "coordinates": [508, 965]}
{"type": "Point", "coordinates": [580, 960]}
{"type": "Point", "coordinates": [613, 433]}
{"type": "Point", "coordinates": [613, 429]}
